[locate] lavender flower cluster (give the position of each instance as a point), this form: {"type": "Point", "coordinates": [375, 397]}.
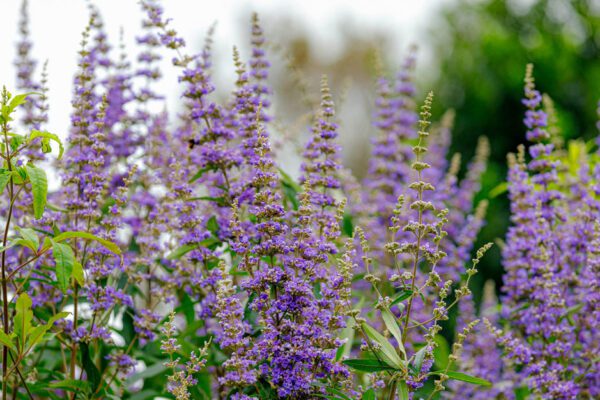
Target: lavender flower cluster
{"type": "Point", "coordinates": [178, 260]}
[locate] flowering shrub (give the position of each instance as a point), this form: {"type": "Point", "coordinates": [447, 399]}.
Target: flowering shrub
{"type": "Point", "coordinates": [176, 260]}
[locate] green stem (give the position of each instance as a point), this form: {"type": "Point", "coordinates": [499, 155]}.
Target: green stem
{"type": "Point", "coordinates": [4, 280]}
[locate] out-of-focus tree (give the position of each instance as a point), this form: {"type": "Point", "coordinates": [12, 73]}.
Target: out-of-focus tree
{"type": "Point", "coordinates": [482, 48]}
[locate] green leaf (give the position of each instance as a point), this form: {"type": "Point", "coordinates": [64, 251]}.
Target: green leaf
{"type": "Point", "coordinates": [39, 188]}
{"type": "Point", "coordinates": [93, 374]}
{"type": "Point", "coordinates": [45, 137]}
{"type": "Point", "coordinates": [337, 394]}
{"type": "Point", "coordinates": [459, 376]}
{"type": "Point", "coordinates": [419, 358]}
{"type": "Point", "coordinates": [441, 352]}
{"type": "Point", "coordinates": [498, 190]}
{"type": "Point", "coordinates": [212, 225]}
{"type": "Point", "coordinates": [31, 238]}
{"type": "Point", "coordinates": [347, 225]}
{"type": "Point", "coordinates": [369, 395]}
{"type": "Point", "coordinates": [392, 325]}
{"type": "Point", "coordinates": [181, 251]}
{"type": "Point", "coordinates": [17, 100]}
{"type": "Point", "coordinates": [344, 350]}
{"type": "Point", "coordinates": [367, 365]}
{"type": "Point", "coordinates": [8, 246]}
{"type": "Point", "coordinates": [23, 317]}
{"type": "Point", "coordinates": [56, 208]}
{"type": "Point", "coordinates": [402, 295]}
{"type": "Point", "coordinates": [403, 391]}
{"type": "Point", "coordinates": [38, 332]}
{"type": "Point", "coordinates": [385, 351]}
{"type": "Point", "coordinates": [16, 141]}
{"type": "Point", "coordinates": [71, 385]}
{"type": "Point", "coordinates": [287, 179]}
{"type": "Point", "coordinates": [78, 273]}
{"type": "Point", "coordinates": [7, 341]}
{"type": "Point", "coordinates": [219, 200]}
{"type": "Point", "coordinates": [201, 172]}
{"type": "Point", "coordinates": [65, 261]}
{"type": "Point", "coordinates": [4, 179]}
{"type": "Point", "coordinates": [88, 236]}
{"type": "Point", "coordinates": [150, 372]}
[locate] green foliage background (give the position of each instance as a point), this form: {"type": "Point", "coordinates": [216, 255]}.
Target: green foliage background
{"type": "Point", "coordinates": [482, 49]}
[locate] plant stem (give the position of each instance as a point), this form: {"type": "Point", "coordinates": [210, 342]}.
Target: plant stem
{"type": "Point", "coordinates": [393, 389]}
{"type": "Point", "coordinates": [4, 280]}
{"type": "Point", "coordinates": [74, 345]}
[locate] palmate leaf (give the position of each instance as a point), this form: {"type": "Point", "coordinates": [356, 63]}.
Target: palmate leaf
{"type": "Point", "coordinates": [39, 189]}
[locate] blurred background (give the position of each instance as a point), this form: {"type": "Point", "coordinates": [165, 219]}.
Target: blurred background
{"type": "Point", "coordinates": [472, 54]}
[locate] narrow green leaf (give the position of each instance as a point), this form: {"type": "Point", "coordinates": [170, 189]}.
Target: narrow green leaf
{"type": "Point", "coordinates": [17, 100]}
{"type": "Point", "coordinates": [338, 393]}
{"type": "Point", "coordinates": [39, 188]}
{"type": "Point", "coordinates": [367, 365]}
{"type": "Point", "coordinates": [78, 273]}
{"type": "Point", "coordinates": [88, 236]}
{"type": "Point", "coordinates": [386, 351]}
{"type": "Point", "coordinates": [181, 251]}
{"type": "Point", "coordinates": [65, 260]}
{"type": "Point", "coordinates": [212, 225]}
{"type": "Point", "coordinates": [441, 352]}
{"type": "Point", "coordinates": [460, 376]}
{"type": "Point", "coordinates": [56, 208]}
{"type": "Point", "coordinates": [23, 317]}
{"type": "Point", "coordinates": [25, 243]}
{"type": "Point", "coordinates": [150, 372]}
{"type": "Point", "coordinates": [201, 172]}
{"type": "Point", "coordinates": [48, 136]}
{"type": "Point", "coordinates": [498, 190]}
{"type": "Point", "coordinates": [402, 295]}
{"type": "Point", "coordinates": [8, 246]}
{"type": "Point", "coordinates": [4, 179]}
{"type": "Point", "coordinates": [369, 395]}
{"type": "Point", "coordinates": [344, 350]}
{"type": "Point", "coordinates": [392, 325]}
{"type": "Point", "coordinates": [93, 374]}
{"type": "Point", "coordinates": [7, 341]}
{"type": "Point", "coordinates": [72, 385]}
{"type": "Point", "coordinates": [31, 237]}
{"type": "Point", "coordinates": [288, 180]}
{"type": "Point", "coordinates": [16, 141]}
{"type": "Point", "coordinates": [419, 358]}
{"type": "Point", "coordinates": [403, 391]}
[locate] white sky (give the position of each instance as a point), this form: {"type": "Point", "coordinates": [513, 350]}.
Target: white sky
{"type": "Point", "coordinates": [56, 27]}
